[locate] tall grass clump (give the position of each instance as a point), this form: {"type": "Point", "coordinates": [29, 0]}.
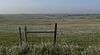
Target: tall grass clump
{"type": "Point", "coordinates": [49, 49]}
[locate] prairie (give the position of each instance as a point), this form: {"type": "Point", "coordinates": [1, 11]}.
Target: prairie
{"type": "Point", "coordinates": [75, 33]}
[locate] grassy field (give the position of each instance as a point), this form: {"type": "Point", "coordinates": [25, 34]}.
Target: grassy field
{"type": "Point", "coordinates": [74, 37]}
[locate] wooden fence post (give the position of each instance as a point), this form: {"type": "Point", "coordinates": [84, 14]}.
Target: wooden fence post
{"type": "Point", "coordinates": [25, 33]}
{"type": "Point", "coordinates": [55, 33]}
{"type": "Point", "coordinates": [20, 35]}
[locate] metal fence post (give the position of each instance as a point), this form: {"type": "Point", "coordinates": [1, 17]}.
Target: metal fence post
{"type": "Point", "coordinates": [55, 34]}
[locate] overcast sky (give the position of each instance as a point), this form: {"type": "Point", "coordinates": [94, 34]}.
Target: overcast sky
{"type": "Point", "coordinates": [49, 6]}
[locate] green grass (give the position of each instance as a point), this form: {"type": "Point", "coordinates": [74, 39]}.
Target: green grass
{"type": "Point", "coordinates": [74, 37]}
{"type": "Point", "coordinates": [84, 40]}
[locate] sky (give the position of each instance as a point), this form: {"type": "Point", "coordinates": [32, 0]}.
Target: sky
{"type": "Point", "coordinates": [49, 6]}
